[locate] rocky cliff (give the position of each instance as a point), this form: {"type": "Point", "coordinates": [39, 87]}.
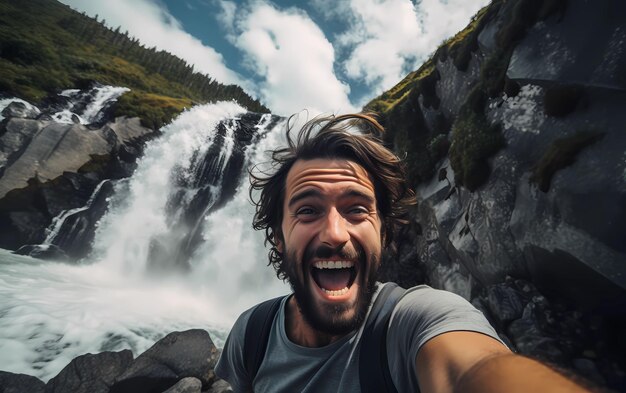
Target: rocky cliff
{"type": "Point", "coordinates": [513, 133]}
{"type": "Point", "coordinates": [50, 164]}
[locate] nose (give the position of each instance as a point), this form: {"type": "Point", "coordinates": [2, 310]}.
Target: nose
{"type": "Point", "coordinates": [334, 231]}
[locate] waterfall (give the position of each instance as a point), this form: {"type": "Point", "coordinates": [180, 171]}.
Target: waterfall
{"type": "Point", "coordinates": [138, 219]}
{"type": "Point", "coordinates": [87, 106]}
{"type": "Point", "coordinates": [120, 297]}
{"type": "Point", "coordinates": [54, 230]}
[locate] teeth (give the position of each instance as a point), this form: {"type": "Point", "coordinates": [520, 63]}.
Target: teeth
{"type": "Point", "coordinates": [333, 264]}
{"type": "Point", "coordinates": [336, 293]}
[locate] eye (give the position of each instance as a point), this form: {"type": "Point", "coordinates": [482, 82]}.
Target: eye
{"type": "Point", "coordinates": [306, 211]}
{"type": "Point", "coordinates": [358, 211]}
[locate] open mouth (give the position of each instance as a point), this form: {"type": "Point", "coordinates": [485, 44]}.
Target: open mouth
{"type": "Point", "coordinates": [334, 277]}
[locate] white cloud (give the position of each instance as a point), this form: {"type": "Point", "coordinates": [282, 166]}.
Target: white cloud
{"type": "Point", "coordinates": [389, 38]}
{"type": "Point", "coordinates": [226, 17]}
{"type": "Point", "coordinates": [153, 25]}
{"type": "Point", "coordinates": [294, 59]}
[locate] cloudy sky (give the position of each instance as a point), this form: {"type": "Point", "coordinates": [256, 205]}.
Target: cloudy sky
{"type": "Point", "coordinates": [329, 56]}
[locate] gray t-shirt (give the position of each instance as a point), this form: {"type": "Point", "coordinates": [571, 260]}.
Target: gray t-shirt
{"type": "Point", "coordinates": [420, 315]}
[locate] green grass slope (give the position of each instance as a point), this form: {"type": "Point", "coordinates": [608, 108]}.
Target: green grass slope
{"type": "Point", "coordinates": [46, 47]}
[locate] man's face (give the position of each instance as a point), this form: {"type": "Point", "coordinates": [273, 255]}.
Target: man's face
{"type": "Point", "coordinates": [331, 242]}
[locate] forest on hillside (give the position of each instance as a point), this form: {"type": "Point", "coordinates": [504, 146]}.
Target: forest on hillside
{"type": "Point", "coordinates": [46, 47]}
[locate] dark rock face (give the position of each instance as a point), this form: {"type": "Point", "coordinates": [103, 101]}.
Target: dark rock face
{"type": "Point", "coordinates": [19, 383]}
{"type": "Point", "coordinates": [539, 246]}
{"type": "Point", "coordinates": [177, 355]}
{"type": "Point", "coordinates": [75, 232]}
{"type": "Point", "coordinates": [48, 167]}
{"type": "Point", "coordinates": [91, 373]}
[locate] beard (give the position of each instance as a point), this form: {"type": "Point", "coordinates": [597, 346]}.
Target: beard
{"type": "Point", "coordinates": [332, 319]}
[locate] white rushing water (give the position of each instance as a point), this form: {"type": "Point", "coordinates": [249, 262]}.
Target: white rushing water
{"type": "Point", "coordinates": [52, 312]}
{"type": "Point", "coordinates": [100, 96]}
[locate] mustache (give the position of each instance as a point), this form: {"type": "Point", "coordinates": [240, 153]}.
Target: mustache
{"type": "Point", "coordinates": [324, 251]}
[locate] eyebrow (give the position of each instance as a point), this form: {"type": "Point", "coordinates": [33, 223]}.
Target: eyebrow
{"type": "Point", "coordinates": [317, 194]}
{"type": "Point", "coordinates": [359, 194]}
{"type": "Point", "coordinates": [303, 195]}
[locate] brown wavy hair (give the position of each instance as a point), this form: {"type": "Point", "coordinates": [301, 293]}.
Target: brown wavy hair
{"type": "Point", "coordinates": [354, 137]}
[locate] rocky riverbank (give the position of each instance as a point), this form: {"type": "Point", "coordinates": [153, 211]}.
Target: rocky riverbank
{"type": "Point", "coordinates": [181, 362]}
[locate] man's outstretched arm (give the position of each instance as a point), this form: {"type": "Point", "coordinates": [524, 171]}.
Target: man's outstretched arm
{"type": "Point", "coordinates": [468, 362]}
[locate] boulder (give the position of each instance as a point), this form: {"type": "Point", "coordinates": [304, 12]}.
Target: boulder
{"type": "Point", "coordinates": [57, 148]}
{"type": "Point", "coordinates": [43, 251]}
{"type": "Point", "coordinates": [17, 135]}
{"type": "Point", "coordinates": [20, 383]}
{"type": "Point", "coordinates": [186, 385]}
{"type": "Point", "coordinates": [220, 386]}
{"type": "Point", "coordinates": [176, 356]}
{"type": "Point", "coordinates": [90, 373]}
{"type": "Point", "coordinates": [21, 110]}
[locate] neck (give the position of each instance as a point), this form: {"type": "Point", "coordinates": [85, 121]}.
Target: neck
{"type": "Point", "coordinates": [300, 332]}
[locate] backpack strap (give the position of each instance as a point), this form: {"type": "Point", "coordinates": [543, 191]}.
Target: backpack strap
{"type": "Point", "coordinates": [374, 371]}
{"type": "Point", "coordinates": [257, 335]}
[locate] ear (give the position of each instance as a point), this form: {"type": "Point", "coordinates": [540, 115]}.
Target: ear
{"type": "Point", "coordinates": [279, 246]}
{"type": "Point", "coordinates": [278, 240]}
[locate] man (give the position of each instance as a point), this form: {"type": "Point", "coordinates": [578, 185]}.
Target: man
{"type": "Point", "coordinates": [335, 200]}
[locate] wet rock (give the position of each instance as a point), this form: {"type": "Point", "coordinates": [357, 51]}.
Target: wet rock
{"type": "Point", "coordinates": [20, 383]}
{"type": "Point", "coordinates": [186, 385]}
{"type": "Point", "coordinates": [17, 134]}
{"type": "Point", "coordinates": [43, 251]}
{"type": "Point", "coordinates": [220, 386]}
{"type": "Point", "coordinates": [76, 232]}
{"type": "Point", "coordinates": [177, 355]}
{"type": "Point", "coordinates": [90, 373]}
{"type": "Point", "coordinates": [20, 110]}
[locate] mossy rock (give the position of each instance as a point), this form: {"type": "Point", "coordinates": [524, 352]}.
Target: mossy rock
{"type": "Point", "coordinates": [473, 141]}
{"type": "Point", "coordinates": [561, 154]}
{"type": "Point", "coordinates": [493, 72]}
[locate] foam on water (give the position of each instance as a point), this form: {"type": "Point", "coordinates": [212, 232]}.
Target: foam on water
{"type": "Point", "coordinates": [53, 312]}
